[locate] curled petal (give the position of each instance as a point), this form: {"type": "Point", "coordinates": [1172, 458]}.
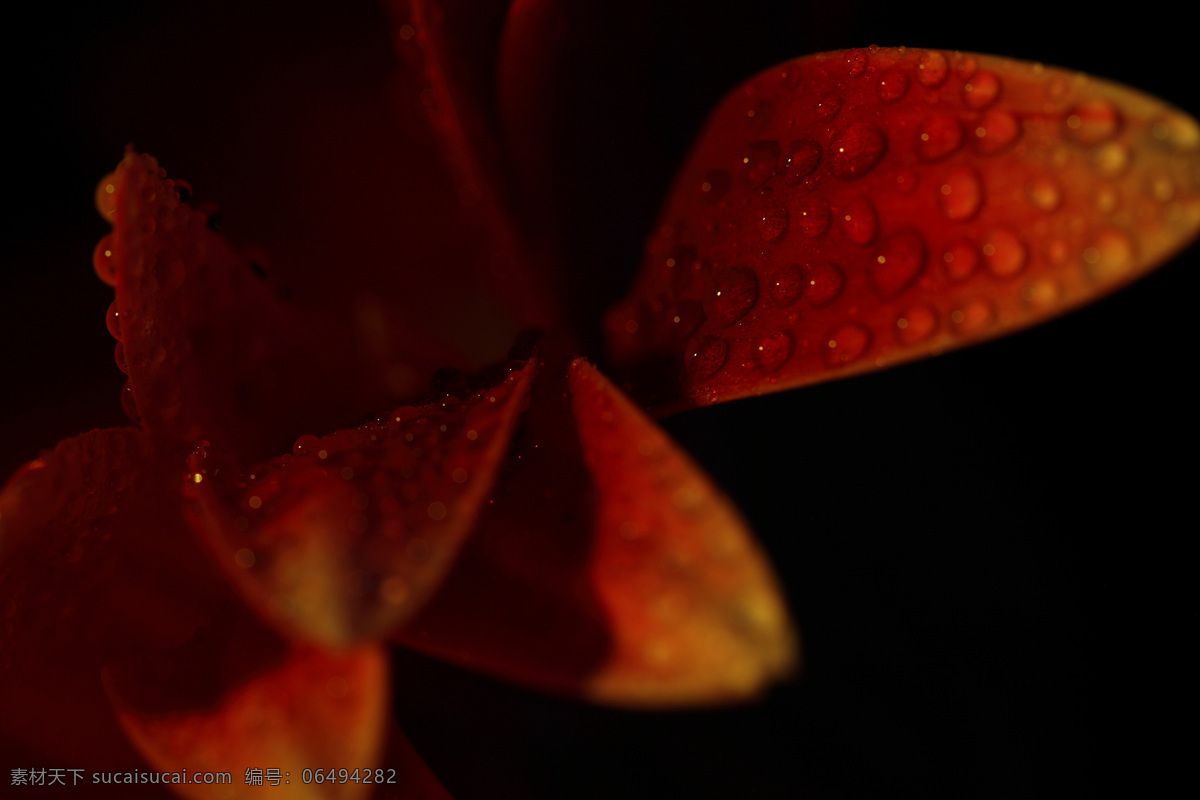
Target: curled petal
{"type": "Point", "coordinates": [348, 536]}
{"type": "Point", "coordinates": [888, 204]}
{"type": "Point", "coordinates": [611, 566]}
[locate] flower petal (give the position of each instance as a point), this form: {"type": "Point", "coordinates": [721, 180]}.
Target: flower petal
{"type": "Point", "coordinates": [295, 710]}
{"type": "Point", "coordinates": [854, 210]}
{"type": "Point", "coordinates": [609, 566]}
{"type": "Point", "coordinates": [210, 347]}
{"type": "Point", "coordinates": [96, 564]}
{"type": "Point", "coordinates": [348, 536]}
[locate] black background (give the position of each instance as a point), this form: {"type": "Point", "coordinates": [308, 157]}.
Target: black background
{"type": "Point", "coordinates": [986, 553]}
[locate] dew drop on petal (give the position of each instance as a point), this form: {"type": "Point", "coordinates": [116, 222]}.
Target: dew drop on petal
{"type": "Point", "coordinates": [892, 86]}
{"type": "Point", "coordinates": [106, 197]}
{"type": "Point", "coordinates": [735, 291]}
{"type": "Point", "coordinates": [961, 194]}
{"type": "Point", "coordinates": [828, 106]}
{"type": "Point", "coordinates": [785, 285]}
{"type": "Point", "coordinates": [759, 162]}
{"type": "Point", "coordinates": [1177, 131]}
{"type": "Point", "coordinates": [938, 137]}
{"type": "Point", "coordinates": [823, 283]}
{"type": "Point", "coordinates": [845, 343]}
{"type": "Point", "coordinates": [932, 69]}
{"type": "Point", "coordinates": [811, 215]}
{"type": "Point", "coordinates": [1041, 295]}
{"type": "Point", "coordinates": [995, 132]}
{"type": "Point", "coordinates": [714, 186]}
{"type": "Point", "coordinates": [119, 357]}
{"type": "Point", "coordinates": [803, 157]}
{"type": "Point", "coordinates": [1004, 253]}
{"type": "Point", "coordinates": [1110, 256]}
{"type": "Point", "coordinates": [774, 351]}
{"type": "Point", "coordinates": [900, 260]}
{"type": "Point", "coordinates": [1110, 160]}
{"type": "Point", "coordinates": [916, 324]}
{"type": "Point", "coordinates": [706, 357]}
{"type": "Point", "coordinates": [128, 404]}
{"type": "Point", "coordinates": [973, 317]}
{"type": "Point", "coordinates": [1044, 194]}
{"type": "Point", "coordinates": [960, 260]}
{"type": "Point", "coordinates": [856, 149]}
{"type": "Point", "coordinates": [859, 221]}
{"type": "Point", "coordinates": [856, 63]}
{"type": "Point", "coordinates": [103, 261]}
{"type": "Point", "coordinates": [981, 90]}
{"type": "Point", "coordinates": [306, 445]}
{"type": "Point", "coordinates": [113, 321]}
{"type": "Point", "coordinates": [773, 223]}
{"type": "Point", "coordinates": [1092, 122]}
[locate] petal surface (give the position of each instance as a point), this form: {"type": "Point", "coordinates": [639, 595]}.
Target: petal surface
{"type": "Point", "coordinates": [348, 536]}
{"type": "Point", "coordinates": [96, 564]}
{"type": "Point", "coordinates": [857, 209]}
{"type": "Point", "coordinates": [298, 709]}
{"type": "Point", "coordinates": [609, 566]}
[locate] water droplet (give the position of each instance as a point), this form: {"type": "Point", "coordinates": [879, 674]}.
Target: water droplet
{"type": "Point", "coordinates": [306, 445]}
{"type": "Point", "coordinates": [892, 86]}
{"type": "Point", "coordinates": [735, 291]}
{"type": "Point", "coordinates": [859, 222]}
{"type": "Point", "coordinates": [823, 283]}
{"type": "Point", "coordinates": [965, 65]}
{"type": "Point", "coordinates": [811, 215]}
{"type": "Point", "coordinates": [972, 317]}
{"type": "Point", "coordinates": [856, 63]}
{"type": "Point", "coordinates": [1177, 131]}
{"type": "Point", "coordinates": [1004, 253]}
{"type": "Point", "coordinates": [828, 106]}
{"type": "Point", "coordinates": [773, 223]}
{"type": "Point", "coordinates": [774, 351]}
{"type": "Point", "coordinates": [916, 324]}
{"type": "Point", "coordinates": [119, 357]}
{"type": "Point", "coordinates": [981, 90]}
{"type": "Point", "coordinates": [856, 149]}
{"type": "Point", "coordinates": [900, 260]}
{"type": "Point", "coordinates": [714, 186]}
{"type": "Point", "coordinates": [113, 320]}
{"type": "Point", "coordinates": [1041, 294]}
{"type": "Point", "coordinates": [759, 162]}
{"type": "Point", "coordinates": [960, 260]}
{"type": "Point", "coordinates": [1160, 188]}
{"type": "Point", "coordinates": [785, 285]}
{"type": "Point", "coordinates": [845, 343]}
{"type": "Point", "coordinates": [1092, 122]}
{"type": "Point", "coordinates": [128, 404]}
{"type": "Point", "coordinates": [961, 194]}
{"type": "Point", "coordinates": [1110, 160]}
{"type": "Point", "coordinates": [103, 261]}
{"type": "Point", "coordinates": [803, 157]}
{"type": "Point", "coordinates": [932, 69]}
{"type": "Point", "coordinates": [995, 132]}
{"type": "Point", "coordinates": [1106, 199]}
{"type": "Point", "coordinates": [938, 137]}
{"type": "Point", "coordinates": [1043, 193]}
{"type": "Point", "coordinates": [706, 357]}
{"type": "Point", "coordinates": [1111, 256]}
{"type": "Point", "coordinates": [106, 197]}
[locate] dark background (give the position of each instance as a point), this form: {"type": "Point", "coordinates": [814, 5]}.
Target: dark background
{"type": "Point", "coordinates": [986, 553]}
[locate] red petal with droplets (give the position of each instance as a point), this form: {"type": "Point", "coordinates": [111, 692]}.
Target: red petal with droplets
{"type": "Point", "coordinates": [348, 536]}
{"type": "Point", "coordinates": [612, 567]}
{"type": "Point", "coordinates": [968, 196]}
{"type": "Point", "coordinates": [96, 564]}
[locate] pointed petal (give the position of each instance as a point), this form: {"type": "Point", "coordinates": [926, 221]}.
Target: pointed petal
{"type": "Point", "coordinates": [609, 566]}
{"type": "Point", "coordinates": [96, 564]}
{"type": "Point", "coordinates": [292, 709]}
{"type": "Point", "coordinates": [210, 347]}
{"type": "Point", "coordinates": [348, 537]}
{"type": "Point", "coordinates": [854, 210]}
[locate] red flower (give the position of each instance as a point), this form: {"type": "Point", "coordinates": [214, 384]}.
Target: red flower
{"type": "Point", "coordinates": [97, 577]}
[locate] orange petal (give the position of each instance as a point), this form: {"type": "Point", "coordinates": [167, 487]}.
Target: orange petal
{"type": "Point", "coordinates": [296, 711]}
{"type": "Point", "coordinates": [895, 204]}
{"type": "Point", "coordinates": [96, 564]}
{"type": "Point", "coordinates": [609, 566]}
{"type": "Point", "coordinates": [348, 536]}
